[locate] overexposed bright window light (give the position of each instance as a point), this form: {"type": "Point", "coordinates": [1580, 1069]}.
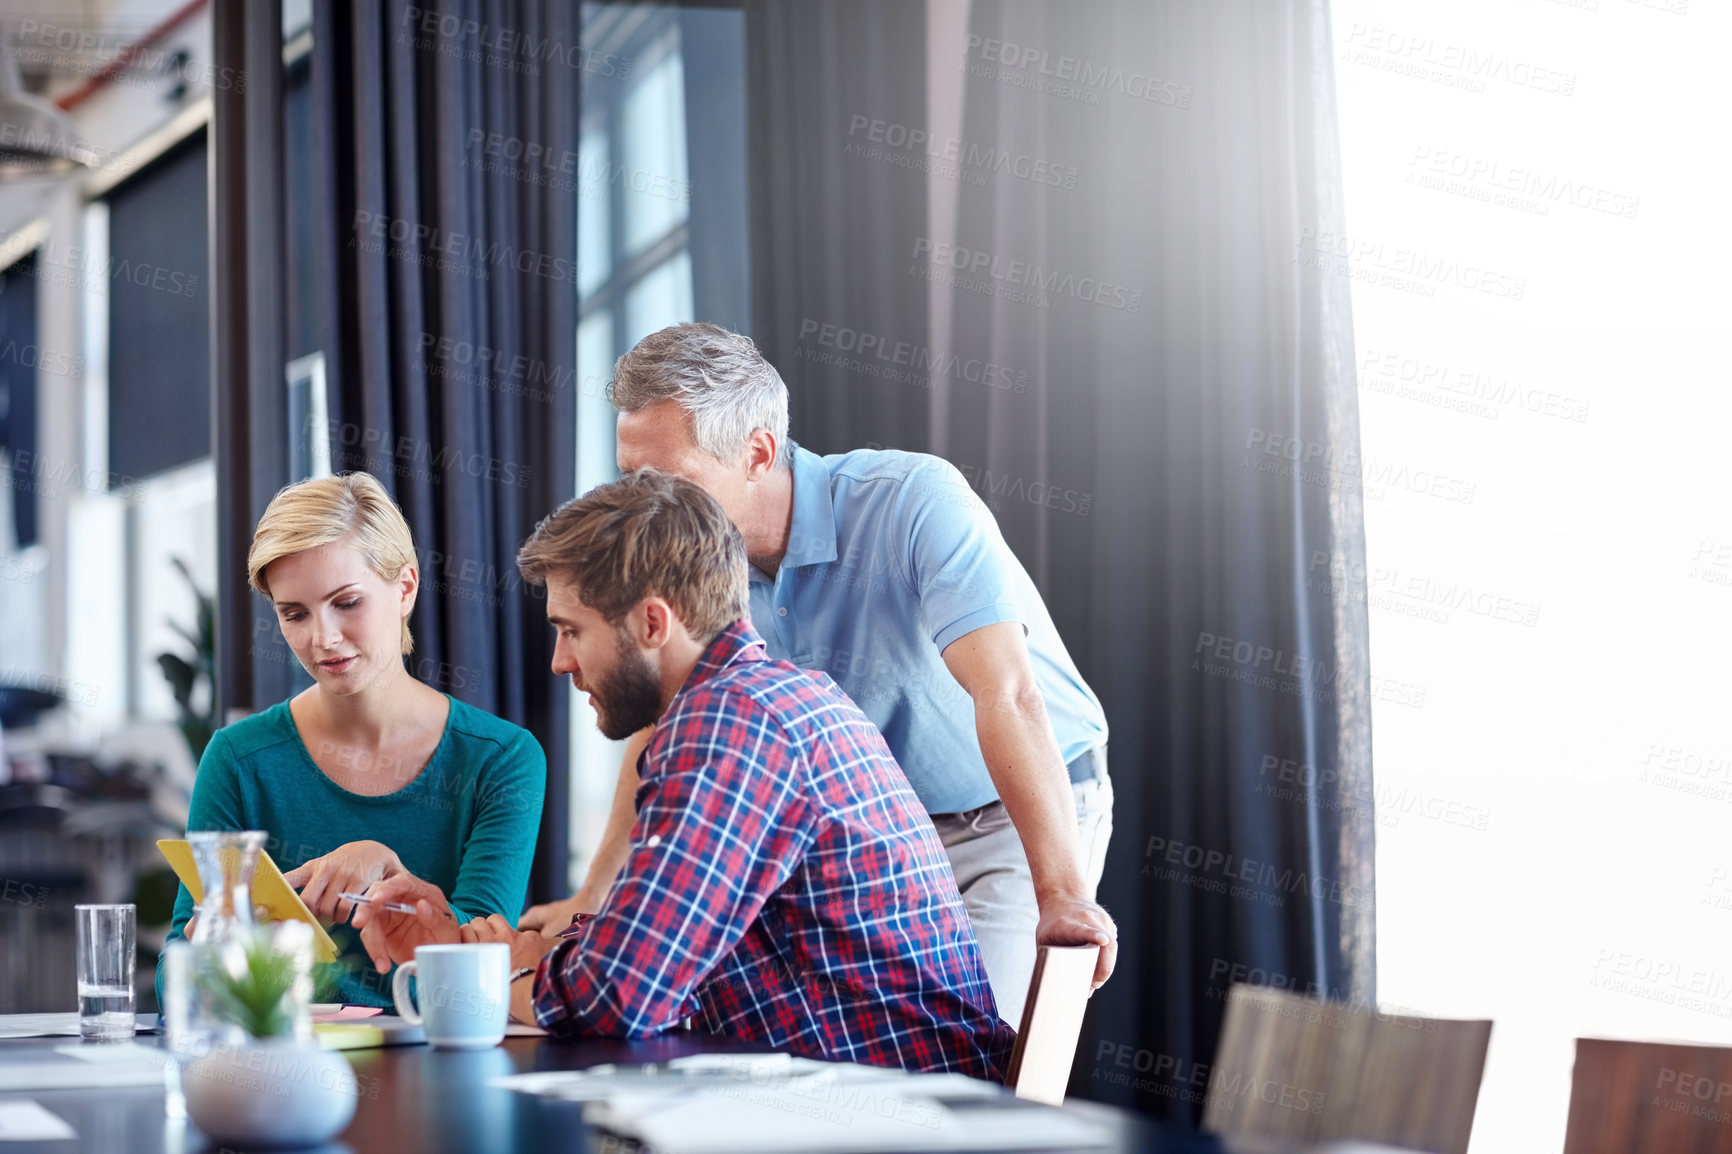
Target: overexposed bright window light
{"type": "Point", "coordinates": [654, 153]}
{"type": "Point", "coordinates": [595, 214]}
{"type": "Point", "coordinates": [662, 298]}
{"type": "Point", "coordinates": [1537, 241]}
{"type": "Point", "coordinates": [631, 209]}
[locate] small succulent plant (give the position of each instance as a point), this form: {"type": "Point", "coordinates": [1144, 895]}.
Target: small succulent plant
{"type": "Point", "coordinates": [254, 994]}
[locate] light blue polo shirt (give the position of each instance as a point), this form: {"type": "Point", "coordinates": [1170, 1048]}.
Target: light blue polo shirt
{"type": "Point", "coordinates": [891, 557]}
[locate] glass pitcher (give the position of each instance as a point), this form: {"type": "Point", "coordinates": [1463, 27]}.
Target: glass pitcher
{"type": "Point", "coordinates": [226, 861]}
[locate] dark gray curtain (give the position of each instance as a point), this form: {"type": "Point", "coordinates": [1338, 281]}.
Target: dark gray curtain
{"type": "Point", "coordinates": [19, 357]}
{"type": "Point", "coordinates": [447, 278]}
{"type": "Point", "coordinates": [1139, 345]}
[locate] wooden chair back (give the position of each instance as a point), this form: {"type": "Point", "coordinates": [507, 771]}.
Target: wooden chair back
{"type": "Point", "coordinates": [1052, 1019]}
{"type": "Point", "coordinates": [1649, 1096]}
{"type": "Point", "coordinates": [1289, 1066]}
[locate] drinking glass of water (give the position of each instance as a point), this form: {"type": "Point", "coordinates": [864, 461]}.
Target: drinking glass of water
{"type": "Point", "coordinates": [107, 952]}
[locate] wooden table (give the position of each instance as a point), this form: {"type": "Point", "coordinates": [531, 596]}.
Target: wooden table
{"type": "Point", "coordinates": [418, 1100]}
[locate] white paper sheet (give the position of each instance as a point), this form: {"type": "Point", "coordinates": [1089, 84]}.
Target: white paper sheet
{"type": "Point", "coordinates": [747, 1119]}
{"type": "Point", "coordinates": [22, 1120]}
{"type": "Point", "coordinates": [82, 1066]}
{"type": "Point", "coordinates": [62, 1025]}
{"type": "Point", "coordinates": [39, 1025]}
{"type": "Point", "coordinates": [746, 1103]}
{"type": "Point", "coordinates": [115, 1054]}
{"type": "Point", "coordinates": [776, 1071]}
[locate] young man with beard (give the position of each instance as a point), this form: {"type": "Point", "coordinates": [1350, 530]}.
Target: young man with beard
{"type": "Point", "coordinates": [782, 882]}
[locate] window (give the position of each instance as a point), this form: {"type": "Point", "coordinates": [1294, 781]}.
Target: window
{"type": "Point", "coordinates": [1538, 310]}
{"type": "Point", "coordinates": [657, 245]}
{"type": "Point", "coordinates": [158, 314]}
{"type": "Point", "coordinates": [145, 496]}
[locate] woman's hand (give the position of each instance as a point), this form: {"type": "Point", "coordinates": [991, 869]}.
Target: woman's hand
{"type": "Point", "coordinates": [349, 868]}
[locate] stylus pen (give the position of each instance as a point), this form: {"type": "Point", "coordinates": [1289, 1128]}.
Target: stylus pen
{"type": "Point", "coordinates": [395, 907]}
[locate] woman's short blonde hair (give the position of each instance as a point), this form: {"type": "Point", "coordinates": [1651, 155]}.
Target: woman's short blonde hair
{"type": "Point", "coordinates": [350, 507]}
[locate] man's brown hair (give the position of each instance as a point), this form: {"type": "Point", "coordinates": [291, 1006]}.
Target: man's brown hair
{"type": "Point", "coordinates": [646, 534]}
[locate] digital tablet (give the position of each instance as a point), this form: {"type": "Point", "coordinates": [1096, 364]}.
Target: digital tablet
{"type": "Point", "coordinates": [270, 890]}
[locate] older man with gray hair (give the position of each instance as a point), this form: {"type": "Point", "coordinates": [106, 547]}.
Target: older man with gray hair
{"type": "Point", "coordinates": [886, 571]}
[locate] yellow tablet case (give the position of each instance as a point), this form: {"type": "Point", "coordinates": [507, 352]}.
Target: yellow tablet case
{"type": "Point", "coordinates": [270, 890]}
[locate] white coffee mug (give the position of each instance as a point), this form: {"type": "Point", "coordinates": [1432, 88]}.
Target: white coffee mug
{"type": "Point", "coordinates": [464, 990]}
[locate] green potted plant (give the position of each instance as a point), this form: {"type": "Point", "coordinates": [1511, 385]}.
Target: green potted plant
{"type": "Point", "coordinates": [268, 1082]}
{"type": "Point", "coordinates": [187, 675]}
{"type": "Point", "coordinates": [191, 676]}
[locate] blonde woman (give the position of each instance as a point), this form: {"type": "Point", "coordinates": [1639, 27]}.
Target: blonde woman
{"type": "Point", "coordinates": [367, 773]}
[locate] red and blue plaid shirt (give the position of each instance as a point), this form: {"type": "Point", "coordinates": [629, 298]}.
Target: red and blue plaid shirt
{"type": "Point", "coordinates": [784, 885]}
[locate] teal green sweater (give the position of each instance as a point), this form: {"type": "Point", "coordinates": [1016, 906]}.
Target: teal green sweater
{"type": "Point", "coordinates": [467, 823]}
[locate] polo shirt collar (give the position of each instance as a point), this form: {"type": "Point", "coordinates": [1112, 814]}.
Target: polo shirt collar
{"type": "Point", "coordinates": [812, 536]}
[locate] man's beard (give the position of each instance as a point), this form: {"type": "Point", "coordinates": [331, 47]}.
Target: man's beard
{"type": "Point", "coordinates": [630, 698]}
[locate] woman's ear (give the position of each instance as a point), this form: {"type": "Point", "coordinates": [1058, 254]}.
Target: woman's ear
{"type": "Point", "coordinates": [408, 585]}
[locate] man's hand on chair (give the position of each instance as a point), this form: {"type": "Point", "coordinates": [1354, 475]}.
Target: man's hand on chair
{"type": "Point", "coordinates": [1076, 921]}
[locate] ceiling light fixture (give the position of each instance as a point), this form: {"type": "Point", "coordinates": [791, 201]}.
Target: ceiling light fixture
{"type": "Point", "coordinates": [36, 138]}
